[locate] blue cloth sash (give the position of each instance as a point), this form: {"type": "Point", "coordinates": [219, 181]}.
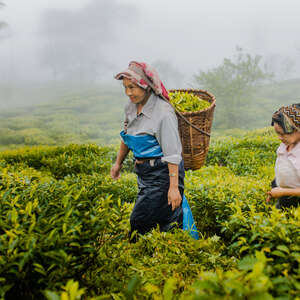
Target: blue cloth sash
{"type": "Point", "coordinates": [142, 146]}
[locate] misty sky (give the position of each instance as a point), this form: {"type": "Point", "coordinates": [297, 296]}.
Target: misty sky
{"type": "Point", "coordinates": [191, 34]}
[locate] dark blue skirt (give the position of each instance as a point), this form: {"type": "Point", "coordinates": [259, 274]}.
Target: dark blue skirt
{"type": "Point", "coordinates": [151, 208]}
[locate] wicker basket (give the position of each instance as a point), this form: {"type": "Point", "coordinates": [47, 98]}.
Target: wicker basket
{"type": "Point", "coordinates": [194, 129]}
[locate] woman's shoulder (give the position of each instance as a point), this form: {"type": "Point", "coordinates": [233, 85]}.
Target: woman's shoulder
{"type": "Point", "coordinates": [281, 149]}
{"type": "Point", "coordinates": [296, 150]}
{"type": "Point", "coordinates": [163, 106]}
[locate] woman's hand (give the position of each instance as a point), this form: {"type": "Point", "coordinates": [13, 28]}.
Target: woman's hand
{"type": "Point", "coordinates": [115, 171]}
{"type": "Point", "coordinates": [174, 197]}
{"type": "Point", "coordinates": [276, 193]}
{"type": "Point", "coordinates": [269, 198]}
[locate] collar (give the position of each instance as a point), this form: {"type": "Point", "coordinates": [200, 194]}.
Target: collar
{"type": "Point", "coordinates": [294, 152]}
{"type": "Point", "coordinates": [148, 107]}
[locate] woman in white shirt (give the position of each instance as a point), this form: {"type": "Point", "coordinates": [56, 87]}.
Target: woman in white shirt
{"type": "Point", "coordinates": [286, 186]}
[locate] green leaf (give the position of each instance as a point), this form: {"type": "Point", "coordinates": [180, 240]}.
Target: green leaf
{"type": "Point", "coordinates": [169, 287]}
{"type": "Point", "coordinates": [51, 295]}
{"type": "Point", "coordinates": [151, 288]}
{"type": "Point", "coordinates": [283, 248]}
{"type": "Point", "coordinates": [244, 248]}
{"type": "Point", "coordinates": [278, 253]}
{"type": "Point", "coordinates": [132, 285]}
{"type": "Point", "coordinates": [258, 269]}
{"type": "Point", "coordinates": [247, 263]}
{"type": "Point", "coordinates": [261, 296]}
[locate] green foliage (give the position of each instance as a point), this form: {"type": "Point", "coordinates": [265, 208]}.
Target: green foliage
{"type": "Point", "coordinates": [153, 259]}
{"type": "Point", "coordinates": [212, 190]}
{"type": "Point", "coordinates": [186, 102]}
{"type": "Point", "coordinates": [275, 233]}
{"type": "Point", "coordinates": [250, 281]}
{"type": "Point", "coordinates": [71, 292]}
{"type": "Point", "coordinates": [246, 156]}
{"type": "Point", "coordinates": [86, 115]}
{"type": "Point", "coordinates": [9, 136]}
{"type": "Point", "coordinates": [64, 226]}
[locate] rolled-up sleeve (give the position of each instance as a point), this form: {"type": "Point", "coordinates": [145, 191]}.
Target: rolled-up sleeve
{"type": "Point", "coordinates": [168, 138]}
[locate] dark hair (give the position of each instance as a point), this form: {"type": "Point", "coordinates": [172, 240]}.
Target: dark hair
{"type": "Point", "coordinates": [278, 118]}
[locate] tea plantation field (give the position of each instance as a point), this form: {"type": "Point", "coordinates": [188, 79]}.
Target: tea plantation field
{"type": "Point", "coordinates": [61, 114]}
{"type": "Point", "coordinates": [64, 227]}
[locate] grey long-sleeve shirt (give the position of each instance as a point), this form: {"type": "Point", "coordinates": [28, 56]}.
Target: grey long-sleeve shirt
{"type": "Point", "coordinates": [157, 118]}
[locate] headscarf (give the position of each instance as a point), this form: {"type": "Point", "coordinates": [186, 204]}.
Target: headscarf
{"type": "Point", "coordinates": [144, 76]}
{"type": "Point", "coordinates": [288, 117]}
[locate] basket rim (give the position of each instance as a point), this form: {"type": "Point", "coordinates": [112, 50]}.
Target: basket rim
{"type": "Point", "coordinates": [193, 113]}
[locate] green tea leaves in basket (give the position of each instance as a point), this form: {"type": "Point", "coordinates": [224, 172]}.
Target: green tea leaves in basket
{"type": "Point", "coordinates": [187, 102]}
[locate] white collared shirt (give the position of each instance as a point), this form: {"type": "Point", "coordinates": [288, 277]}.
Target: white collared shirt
{"type": "Point", "coordinates": [157, 118]}
{"type": "Point", "coordinates": [287, 167]}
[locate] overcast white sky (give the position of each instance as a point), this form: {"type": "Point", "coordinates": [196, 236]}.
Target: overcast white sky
{"type": "Point", "coordinates": [190, 34]}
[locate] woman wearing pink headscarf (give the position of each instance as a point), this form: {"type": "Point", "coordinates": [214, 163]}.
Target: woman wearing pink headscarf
{"type": "Point", "coordinates": [151, 132]}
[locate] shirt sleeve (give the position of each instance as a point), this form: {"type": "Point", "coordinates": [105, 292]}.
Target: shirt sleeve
{"type": "Point", "coordinates": [168, 138]}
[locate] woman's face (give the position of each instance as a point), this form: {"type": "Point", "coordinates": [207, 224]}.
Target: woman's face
{"type": "Point", "coordinates": [135, 93]}
{"type": "Point", "coordinates": [287, 138]}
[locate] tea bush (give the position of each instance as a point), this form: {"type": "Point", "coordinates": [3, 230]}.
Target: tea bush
{"type": "Point", "coordinates": [51, 231]}
{"type": "Point", "coordinates": [245, 156]}
{"type": "Point", "coordinates": [277, 234]}
{"type": "Point", "coordinates": [211, 190]}
{"type": "Point", "coordinates": [249, 281]}
{"type": "Point", "coordinates": [64, 226]}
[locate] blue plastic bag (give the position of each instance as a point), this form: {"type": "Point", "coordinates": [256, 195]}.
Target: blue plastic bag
{"type": "Point", "coordinates": [188, 220]}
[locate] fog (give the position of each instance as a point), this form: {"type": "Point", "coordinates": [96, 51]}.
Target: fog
{"type": "Point", "coordinates": [91, 40]}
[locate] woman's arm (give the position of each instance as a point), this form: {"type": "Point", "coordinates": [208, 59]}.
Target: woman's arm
{"type": "Point", "coordinates": [280, 192]}
{"type": "Point", "coordinates": [115, 169]}
{"type": "Point", "coordinates": [169, 140]}
{"type": "Point", "coordinates": [174, 197]}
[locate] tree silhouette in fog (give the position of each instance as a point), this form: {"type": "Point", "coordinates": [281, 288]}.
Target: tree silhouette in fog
{"type": "Point", "coordinates": [2, 23]}
{"type": "Point", "coordinates": [233, 83]}
{"type": "Point", "coordinates": [76, 41]}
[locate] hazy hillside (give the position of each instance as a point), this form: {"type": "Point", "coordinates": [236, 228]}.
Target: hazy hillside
{"type": "Point", "coordinates": [59, 115]}
{"type": "Point", "coordinates": [92, 114]}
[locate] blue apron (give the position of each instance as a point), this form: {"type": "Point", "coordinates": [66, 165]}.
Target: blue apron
{"type": "Point", "coordinates": [147, 146]}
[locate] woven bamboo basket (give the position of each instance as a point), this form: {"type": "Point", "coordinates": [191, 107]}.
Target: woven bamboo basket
{"type": "Point", "coordinates": [194, 130]}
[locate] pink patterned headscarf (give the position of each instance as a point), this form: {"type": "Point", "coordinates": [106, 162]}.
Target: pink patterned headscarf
{"type": "Point", "coordinates": [144, 76]}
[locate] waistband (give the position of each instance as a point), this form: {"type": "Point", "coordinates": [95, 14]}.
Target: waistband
{"type": "Point", "coordinates": [143, 160]}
